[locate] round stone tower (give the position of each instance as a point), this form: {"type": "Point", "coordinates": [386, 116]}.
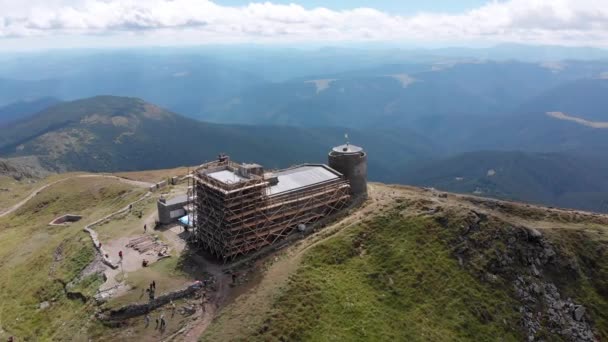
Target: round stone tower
{"type": "Point", "coordinates": [351, 161]}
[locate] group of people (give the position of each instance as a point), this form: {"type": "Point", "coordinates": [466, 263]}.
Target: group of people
{"type": "Point", "coordinates": [161, 322]}
{"type": "Point", "coordinates": [152, 290]}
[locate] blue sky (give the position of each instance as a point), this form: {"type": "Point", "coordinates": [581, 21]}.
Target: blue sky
{"type": "Point", "coordinates": [403, 7]}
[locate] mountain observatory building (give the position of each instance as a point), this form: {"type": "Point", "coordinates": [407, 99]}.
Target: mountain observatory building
{"type": "Point", "coordinates": [240, 208]}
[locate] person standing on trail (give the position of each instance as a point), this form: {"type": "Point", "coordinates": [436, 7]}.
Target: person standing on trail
{"type": "Point", "coordinates": [172, 309]}
{"type": "Point", "coordinates": [153, 284]}
{"type": "Point", "coordinates": [145, 228]}
{"type": "Point", "coordinates": [163, 324]}
{"type": "Point", "coordinates": [147, 320]}
{"type": "Point", "coordinates": [120, 254]}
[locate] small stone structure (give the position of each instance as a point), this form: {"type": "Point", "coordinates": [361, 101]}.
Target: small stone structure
{"type": "Point", "coordinates": [158, 186]}
{"type": "Point", "coordinates": [65, 219]}
{"type": "Point", "coordinates": [172, 209]}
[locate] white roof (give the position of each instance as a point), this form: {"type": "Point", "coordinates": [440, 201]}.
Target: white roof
{"type": "Point", "coordinates": [300, 177]}
{"type": "Point", "coordinates": [347, 149]}
{"type": "Point", "coordinates": [226, 176]}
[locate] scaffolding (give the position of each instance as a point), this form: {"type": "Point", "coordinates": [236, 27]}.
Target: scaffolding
{"type": "Point", "coordinates": [235, 218]}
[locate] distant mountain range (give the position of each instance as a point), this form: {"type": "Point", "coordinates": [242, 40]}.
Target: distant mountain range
{"type": "Point", "coordinates": [423, 115]}
{"type": "Point", "coordinates": [109, 133]}
{"type": "Point", "coordinates": [412, 95]}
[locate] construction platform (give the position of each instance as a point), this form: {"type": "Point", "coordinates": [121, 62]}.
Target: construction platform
{"type": "Point", "coordinates": [240, 208]}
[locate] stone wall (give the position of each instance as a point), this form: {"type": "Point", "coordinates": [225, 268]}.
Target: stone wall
{"type": "Point", "coordinates": [138, 309]}
{"type": "Point", "coordinates": [93, 234]}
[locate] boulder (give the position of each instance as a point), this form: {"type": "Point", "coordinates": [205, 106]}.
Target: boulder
{"type": "Point", "coordinates": [535, 271]}
{"type": "Point", "coordinates": [579, 312]}
{"type": "Point", "coordinates": [534, 234]}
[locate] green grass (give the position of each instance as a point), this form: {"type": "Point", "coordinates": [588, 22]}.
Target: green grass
{"type": "Point", "coordinates": [127, 224]}
{"type": "Point", "coordinates": [31, 273]}
{"type": "Point", "coordinates": [165, 273]}
{"type": "Point", "coordinates": [402, 284]}
{"type": "Point", "coordinates": [170, 274]}
{"type": "Point", "coordinates": [88, 285]}
{"type": "Point", "coordinates": [16, 190]}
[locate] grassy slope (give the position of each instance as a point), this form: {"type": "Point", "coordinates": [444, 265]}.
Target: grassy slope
{"type": "Point", "coordinates": [394, 276]}
{"type": "Point", "coordinates": [401, 285]}
{"type": "Point", "coordinates": [31, 273]}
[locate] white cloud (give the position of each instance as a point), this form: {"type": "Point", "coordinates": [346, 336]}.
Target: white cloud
{"type": "Point", "coordinates": [570, 22]}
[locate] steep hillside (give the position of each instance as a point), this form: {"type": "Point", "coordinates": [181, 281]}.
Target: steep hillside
{"type": "Point", "coordinates": [420, 265]}
{"type": "Point", "coordinates": [550, 178]}
{"type": "Point", "coordinates": [23, 168]}
{"type": "Point", "coordinates": [113, 133]}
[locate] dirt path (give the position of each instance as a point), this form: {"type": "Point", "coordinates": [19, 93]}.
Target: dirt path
{"type": "Point", "coordinates": [212, 308]}
{"type": "Point", "coordinates": [40, 189]}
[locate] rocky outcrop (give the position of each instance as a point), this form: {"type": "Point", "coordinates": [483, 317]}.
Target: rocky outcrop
{"type": "Point", "coordinates": [543, 306]}
{"type": "Point", "coordinates": [524, 258]}
{"type": "Point", "coordinates": [19, 168]}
